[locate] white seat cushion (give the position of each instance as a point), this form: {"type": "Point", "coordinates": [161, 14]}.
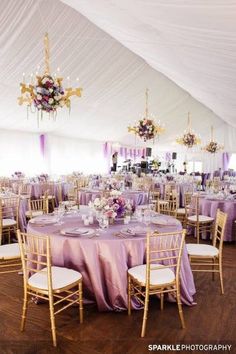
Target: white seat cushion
{"type": "Point", "coordinates": [9, 251]}
{"type": "Point", "coordinates": [202, 218]}
{"type": "Point", "coordinates": [157, 277]}
{"type": "Point", "coordinates": [201, 250]}
{"type": "Point", "coordinates": [61, 277]}
{"type": "Point", "coordinates": [8, 222]}
{"type": "Point", "coordinates": [181, 211]}
{"type": "Point", "coordinates": [34, 213]}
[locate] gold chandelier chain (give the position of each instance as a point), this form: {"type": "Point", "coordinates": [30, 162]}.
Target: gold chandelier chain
{"type": "Point", "coordinates": [46, 54]}
{"type": "Point", "coordinates": [146, 103]}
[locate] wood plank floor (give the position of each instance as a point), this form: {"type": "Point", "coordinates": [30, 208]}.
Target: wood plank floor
{"type": "Point", "coordinates": [212, 320]}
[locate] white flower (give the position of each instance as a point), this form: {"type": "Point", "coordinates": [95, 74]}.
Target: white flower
{"type": "Point", "coordinates": [50, 101]}
{"type": "Point", "coordinates": [50, 90]}
{"type": "Point", "coordinates": [57, 98]}
{"type": "Point", "coordinates": [39, 97]}
{"type": "Point", "coordinates": [39, 106]}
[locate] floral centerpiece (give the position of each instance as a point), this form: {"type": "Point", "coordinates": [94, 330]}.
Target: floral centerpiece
{"type": "Point", "coordinates": [114, 206]}
{"type": "Point", "coordinates": [18, 174]}
{"type": "Point", "coordinates": [43, 177]}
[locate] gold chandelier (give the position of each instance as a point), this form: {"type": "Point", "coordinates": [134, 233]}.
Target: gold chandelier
{"type": "Point", "coordinates": [189, 138]}
{"type": "Point", "coordinates": [146, 128]}
{"type": "Point", "coordinates": [45, 94]}
{"type": "Point", "coordinates": [213, 147]}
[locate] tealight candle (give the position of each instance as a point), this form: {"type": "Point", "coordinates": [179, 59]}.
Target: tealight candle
{"type": "Point", "coordinates": [90, 219]}
{"type": "Point", "coordinates": [86, 222]}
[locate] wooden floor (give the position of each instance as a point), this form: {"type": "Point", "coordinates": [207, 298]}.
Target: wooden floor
{"type": "Point", "coordinates": [212, 320]}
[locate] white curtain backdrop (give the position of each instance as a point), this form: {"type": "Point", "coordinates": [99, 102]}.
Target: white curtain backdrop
{"type": "Point", "coordinates": [20, 151]}
{"type": "Point", "coordinates": [65, 155]}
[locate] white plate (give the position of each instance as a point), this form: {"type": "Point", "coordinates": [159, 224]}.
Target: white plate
{"type": "Point", "coordinates": [160, 221]}
{"type": "Point", "coordinates": [128, 232]}
{"type": "Point", "coordinates": [77, 231]}
{"type": "Point", "coordinates": [48, 221]}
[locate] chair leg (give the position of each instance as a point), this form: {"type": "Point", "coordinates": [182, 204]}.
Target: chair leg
{"type": "Point", "coordinates": [162, 301]}
{"type": "Point", "coordinates": [213, 268]}
{"type": "Point", "coordinates": [52, 319]}
{"type": "Point", "coordinates": [129, 295]}
{"type": "Point", "coordinates": [145, 314]}
{"type": "Point", "coordinates": [24, 311]}
{"type": "Point", "coordinates": [197, 233]}
{"type": "Point", "coordinates": [80, 302]}
{"type": "Point", "coordinates": [221, 276]}
{"type": "Point", "coordinates": [180, 308]}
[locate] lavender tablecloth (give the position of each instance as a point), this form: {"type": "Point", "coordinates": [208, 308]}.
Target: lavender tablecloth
{"type": "Point", "coordinates": [137, 197]}
{"type": "Point", "coordinates": [104, 261]}
{"type": "Point", "coordinates": [209, 207]}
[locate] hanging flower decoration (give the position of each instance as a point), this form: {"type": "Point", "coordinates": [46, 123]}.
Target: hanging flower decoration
{"type": "Point", "coordinates": [213, 147]}
{"type": "Point", "coordinates": [45, 93]}
{"type": "Point", "coordinates": [146, 128]}
{"type": "Point", "coordinates": [48, 94]}
{"type": "Point", "coordinates": [189, 138]}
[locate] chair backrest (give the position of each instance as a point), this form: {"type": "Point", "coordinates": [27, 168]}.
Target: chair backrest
{"type": "Point", "coordinates": [9, 209]}
{"type": "Point", "coordinates": [165, 249]}
{"type": "Point", "coordinates": [187, 198]}
{"type": "Point", "coordinates": [174, 203]}
{"type": "Point", "coordinates": [220, 222]}
{"type": "Point", "coordinates": [38, 205]}
{"type": "Point", "coordinates": [192, 208]}
{"type": "Point", "coordinates": [25, 189]}
{"type": "Point", "coordinates": [35, 255]}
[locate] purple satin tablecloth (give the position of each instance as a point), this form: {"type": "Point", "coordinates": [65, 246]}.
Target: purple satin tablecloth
{"type": "Point", "coordinates": [104, 260]}
{"type": "Point", "coordinates": [209, 207]}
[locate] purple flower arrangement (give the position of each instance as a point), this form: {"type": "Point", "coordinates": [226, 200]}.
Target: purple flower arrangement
{"type": "Point", "coordinates": [48, 94]}
{"type": "Point", "coordinates": [18, 174]}
{"type": "Point", "coordinates": [119, 205]}
{"type": "Point", "coordinates": [189, 139]}
{"type": "Point", "coordinates": [213, 147]}
{"type": "Point", "coordinates": [146, 129]}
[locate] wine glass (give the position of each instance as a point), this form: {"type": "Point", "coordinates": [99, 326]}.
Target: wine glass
{"type": "Point", "coordinates": [147, 217]}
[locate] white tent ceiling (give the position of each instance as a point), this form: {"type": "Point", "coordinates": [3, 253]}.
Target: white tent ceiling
{"type": "Point", "coordinates": [114, 78]}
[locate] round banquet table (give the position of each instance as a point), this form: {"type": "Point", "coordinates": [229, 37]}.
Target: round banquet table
{"type": "Point", "coordinates": [209, 207]}
{"type": "Point", "coordinates": [137, 197]}
{"type": "Point", "coordinates": [104, 260]}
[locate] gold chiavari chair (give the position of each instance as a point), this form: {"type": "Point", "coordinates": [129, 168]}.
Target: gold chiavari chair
{"type": "Point", "coordinates": [200, 223]}
{"type": "Point", "coordinates": [160, 274]}
{"type": "Point", "coordinates": [49, 194]}
{"type": "Point", "coordinates": [51, 283]}
{"type": "Point", "coordinates": [37, 207]}
{"type": "Point", "coordinates": [182, 213]}
{"type": "Point", "coordinates": [25, 190]}
{"type": "Point", "coordinates": [154, 197]}
{"type": "Point", "coordinates": [9, 217]}
{"type": "Point", "coordinates": [208, 258]}
{"type": "Point", "coordinates": [174, 203]}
